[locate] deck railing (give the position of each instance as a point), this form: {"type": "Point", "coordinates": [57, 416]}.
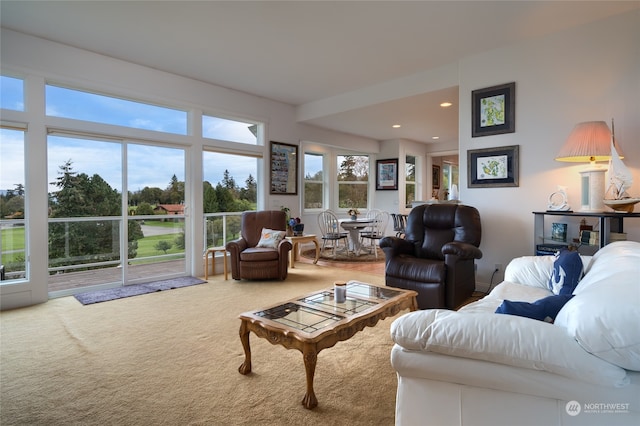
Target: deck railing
{"type": "Point", "coordinates": [219, 228]}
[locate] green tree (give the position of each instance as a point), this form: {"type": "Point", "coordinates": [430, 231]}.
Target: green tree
{"type": "Point", "coordinates": [210, 200]}
{"type": "Point", "coordinates": [180, 240]}
{"type": "Point", "coordinates": [353, 169]}
{"type": "Point", "coordinates": [228, 181]}
{"type": "Point", "coordinates": [152, 196]}
{"type": "Point", "coordinates": [12, 202]}
{"type": "Point", "coordinates": [77, 242]}
{"type": "Point", "coordinates": [174, 193]}
{"type": "Point", "coordinates": [250, 191]}
{"type": "Point", "coordinates": [144, 209]}
{"type": "Point", "coordinates": [347, 168]}
{"type": "Point", "coordinates": [163, 246]}
{"type": "Point", "coordinates": [313, 190]}
{"type": "Point", "coordinates": [225, 197]}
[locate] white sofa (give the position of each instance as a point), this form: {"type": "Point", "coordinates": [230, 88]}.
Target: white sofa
{"type": "Point", "coordinates": [476, 367]}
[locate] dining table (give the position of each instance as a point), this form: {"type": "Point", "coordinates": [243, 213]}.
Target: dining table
{"type": "Point", "coordinates": [353, 227]}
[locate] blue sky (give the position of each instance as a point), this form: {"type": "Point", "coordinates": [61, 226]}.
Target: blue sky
{"type": "Point", "coordinates": [149, 166]}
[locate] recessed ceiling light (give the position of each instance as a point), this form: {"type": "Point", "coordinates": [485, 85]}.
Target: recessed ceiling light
{"type": "Point", "coordinates": [446, 104]}
{"type": "Point", "coordinates": [435, 137]}
{"type": "Point", "coordinates": [396, 126]}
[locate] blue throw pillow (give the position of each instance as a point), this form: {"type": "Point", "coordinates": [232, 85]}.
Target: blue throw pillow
{"type": "Point", "coordinates": [567, 271]}
{"type": "Point", "coordinates": [543, 310]}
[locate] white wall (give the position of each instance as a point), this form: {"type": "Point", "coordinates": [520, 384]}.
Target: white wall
{"type": "Point", "coordinates": [588, 73]}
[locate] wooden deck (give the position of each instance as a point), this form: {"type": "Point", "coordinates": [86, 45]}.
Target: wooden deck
{"type": "Point", "coordinates": [141, 273]}
{"type": "Point", "coordinates": [135, 275]}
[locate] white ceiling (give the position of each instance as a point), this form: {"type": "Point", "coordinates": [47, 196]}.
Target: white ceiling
{"type": "Point", "coordinates": [352, 66]}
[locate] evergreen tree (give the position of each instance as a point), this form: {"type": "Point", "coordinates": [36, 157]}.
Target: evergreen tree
{"type": "Point", "coordinates": [174, 194]}
{"type": "Point", "coordinates": [210, 201]}
{"type": "Point", "coordinates": [79, 195]}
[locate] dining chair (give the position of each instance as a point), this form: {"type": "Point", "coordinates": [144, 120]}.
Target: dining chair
{"type": "Point", "coordinates": [330, 230]}
{"type": "Point", "coordinates": [376, 230]}
{"type": "Point", "coordinates": [399, 224]}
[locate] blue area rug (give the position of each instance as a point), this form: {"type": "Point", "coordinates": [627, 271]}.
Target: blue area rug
{"type": "Point", "coordinates": [135, 290]}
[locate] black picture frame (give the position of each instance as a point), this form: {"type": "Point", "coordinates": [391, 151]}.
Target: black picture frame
{"type": "Point", "coordinates": [493, 167]}
{"type": "Point", "coordinates": [493, 110]}
{"type": "Point", "coordinates": [284, 168]}
{"type": "Point", "coordinates": [387, 174]}
{"type": "Point", "coordinates": [435, 177]}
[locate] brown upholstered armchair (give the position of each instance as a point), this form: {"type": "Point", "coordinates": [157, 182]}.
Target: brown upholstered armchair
{"type": "Point", "coordinates": [259, 263]}
{"type": "Point", "coordinates": [436, 257]}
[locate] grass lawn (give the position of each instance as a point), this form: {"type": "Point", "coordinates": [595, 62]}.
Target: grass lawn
{"type": "Point", "coordinates": [12, 244]}
{"type": "Point", "coordinates": [146, 245]}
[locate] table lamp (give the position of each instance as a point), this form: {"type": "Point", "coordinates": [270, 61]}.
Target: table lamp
{"type": "Point", "coordinates": [589, 142]}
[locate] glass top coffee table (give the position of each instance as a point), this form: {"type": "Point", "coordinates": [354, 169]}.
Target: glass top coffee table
{"type": "Point", "coordinates": [316, 321]}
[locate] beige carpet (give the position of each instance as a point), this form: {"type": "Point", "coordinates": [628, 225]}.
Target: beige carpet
{"type": "Point", "coordinates": [172, 358]}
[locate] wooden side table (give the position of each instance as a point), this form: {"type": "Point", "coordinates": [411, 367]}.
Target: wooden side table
{"type": "Point", "coordinates": [212, 251]}
{"type": "Point", "coordinates": [295, 241]}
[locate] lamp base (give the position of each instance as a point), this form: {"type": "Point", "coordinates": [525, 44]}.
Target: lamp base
{"type": "Point", "coordinates": [592, 194]}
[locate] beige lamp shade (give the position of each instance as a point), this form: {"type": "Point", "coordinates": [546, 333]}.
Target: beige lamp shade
{"type": "Point", "coordinates": [588, 142]}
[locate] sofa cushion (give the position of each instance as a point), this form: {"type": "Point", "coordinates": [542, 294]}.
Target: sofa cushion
{"type": "Point", "coordinates": [270, 238]}
{"type": "Point", "coordinates": [604, 315]}
{"type": "Point", "coordinates": [545, 309]}
{"type": "Point", "coordinates": [566, 273]}
{"type": "Point", "coordinates": [534, 271]}
{"type": "Point", "coordinates": [503, 339]}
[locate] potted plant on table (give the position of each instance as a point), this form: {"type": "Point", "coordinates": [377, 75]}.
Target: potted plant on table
{"type": "Point", "coordinates": [353, 213]}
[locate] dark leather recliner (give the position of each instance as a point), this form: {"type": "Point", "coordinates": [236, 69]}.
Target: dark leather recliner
{"type": "Point", "coordinates": [259, 263]}
{"type": "Point", "coordinates": [436, 257]}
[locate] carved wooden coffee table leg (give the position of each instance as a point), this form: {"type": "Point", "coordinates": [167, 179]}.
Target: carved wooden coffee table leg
{"type": "Point", "coordinates": [245, 368]}
{"type": "Point", "coordinates": [310, 356]}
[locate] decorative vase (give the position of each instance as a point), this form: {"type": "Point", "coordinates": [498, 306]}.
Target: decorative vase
{"type": "Point", "coordinates": [289, 231]}
{"type": "Point", "coordinates": [354, 217]}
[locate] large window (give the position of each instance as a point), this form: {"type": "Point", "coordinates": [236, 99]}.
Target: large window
{"type": "Point", "coordinates": [353, 181]}
{"type": "Point", "coordinates": [11, 93]}
{"type": "Point", "coordinates": [120, 210]}
{"type": "Point", "coordinates": [230, 187]}
{"type": "Point", "coordinates": [120, 235]}
{"type": "Point", "coordinates": [229, 130]}
{"type": "Point", "coordinates": [13, 249]}
{"type": "Point", "coordinates": [80, 105]}
{"type": "Point", "coordinates": [313, 181]}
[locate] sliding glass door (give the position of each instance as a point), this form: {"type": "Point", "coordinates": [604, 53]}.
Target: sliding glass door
{"type": "Point", "coordinates": [116, 213]}
{"type": "Point", "coordinates": [156, 212]}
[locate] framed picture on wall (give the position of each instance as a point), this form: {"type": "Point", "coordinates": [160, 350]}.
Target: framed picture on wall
{"type": "Point", "coordinates": [387, 174]}
{"type": "Point", "coordinates": [284, 168]}
{"type": "Point", "coordinates": [493, 110]}
{"type": "Point", "coordinates": [435, 179]}
{"type": "Point", "coordinates": [493, 167]}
